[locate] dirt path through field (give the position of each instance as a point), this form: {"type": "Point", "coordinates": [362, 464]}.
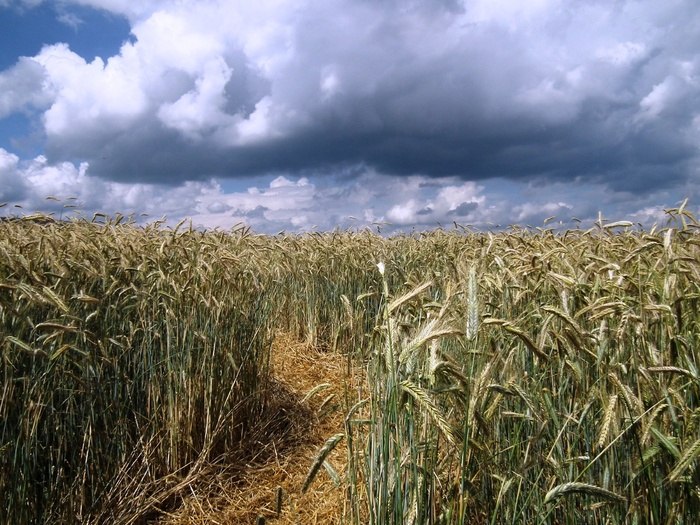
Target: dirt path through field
{"type": "Point", "coordinates": [297, 429]}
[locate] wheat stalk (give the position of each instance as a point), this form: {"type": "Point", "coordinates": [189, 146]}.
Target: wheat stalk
{"type": "Point", "coordinates": [472, 305]}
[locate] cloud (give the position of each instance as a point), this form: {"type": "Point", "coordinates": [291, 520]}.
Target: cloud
{"type": "Point", "coordinates": [368, 199]}
{"type": "Point", "coordinates": [437, 88]}
{"type": "Point", "coordinates": [458, 93]}
{"type": "Point", "coordinates": [218, 207]}
{"type": "Point", "coordinates": [128, 8]}
{"type": "Point", "coordinates": [12, 188]}
{"type": "Point", "coordinates": [664, 96]}
{"type": "Point", "coordinates": [29, 183]}
{"type": "Point", "coordinates": [464, 209]}
{"type": "Point", "coordinates": [537, 213]}
{"type": "Point", "coordinates": [200, 109]}
{"type": "Point", "coordinates": [70, 19]}
{"type": "Point", "coordinates": [23, 88]}
{"type": "Point", "coordinates": [89, 96]}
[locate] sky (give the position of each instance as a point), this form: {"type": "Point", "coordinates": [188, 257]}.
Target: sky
{"type": "Point", "coordinates": [395, 115]}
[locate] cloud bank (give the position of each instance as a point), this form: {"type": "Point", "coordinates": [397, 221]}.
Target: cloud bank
{"type": "Point", "coordinates": [342, 95]}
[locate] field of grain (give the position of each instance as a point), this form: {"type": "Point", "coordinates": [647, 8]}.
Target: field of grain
{"type": "Point", "coordinates": [455, 377]}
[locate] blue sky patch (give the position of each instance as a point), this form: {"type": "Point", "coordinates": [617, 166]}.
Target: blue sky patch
{"type": "Point", "coordinates": [88, 32]}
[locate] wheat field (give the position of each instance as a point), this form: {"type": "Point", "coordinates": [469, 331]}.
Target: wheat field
{"type": "Point", "coordinates": [521, 376]}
